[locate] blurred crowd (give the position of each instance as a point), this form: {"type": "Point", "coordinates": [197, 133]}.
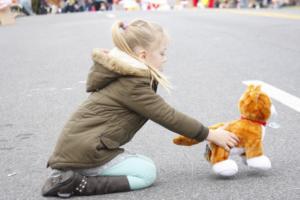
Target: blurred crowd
{"type": "Point", "coordinates": [31, 7]}
{"type": "Point", "coordinates": [254, 3]}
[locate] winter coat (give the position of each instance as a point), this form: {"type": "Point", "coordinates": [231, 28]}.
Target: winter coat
{"type": "Point", "coordinates": [122, 99]}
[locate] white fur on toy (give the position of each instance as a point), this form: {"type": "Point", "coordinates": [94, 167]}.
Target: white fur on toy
{"type": "Point", "coordinates": [225, 168]}
{"type": "Point", "coordinates": [236, 151]}
{"type": "Point", "coordinates": [260, 162]}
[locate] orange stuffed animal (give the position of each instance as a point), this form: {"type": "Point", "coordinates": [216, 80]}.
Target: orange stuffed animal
{"type": "Point", "coordinates": [255, 109]}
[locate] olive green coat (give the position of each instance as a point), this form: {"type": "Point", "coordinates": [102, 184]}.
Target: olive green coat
{"type": "Point", "coordinates": [120, 103]}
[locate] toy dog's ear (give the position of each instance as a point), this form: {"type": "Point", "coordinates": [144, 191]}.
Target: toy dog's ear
{"type": "Point", "coordinates": [250, 88]}
{"type": "Point", "coordinates": [252, 94]}
{"type": "Point", "coordinates": [253, 88]}
{"type": "Point", "coordinates": [184, 141]}
{"type": "Point", "coordinates": [258, 88]}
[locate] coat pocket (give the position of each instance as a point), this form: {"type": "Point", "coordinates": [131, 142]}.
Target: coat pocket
{"type": "Point", "coordinates": [107, 143]}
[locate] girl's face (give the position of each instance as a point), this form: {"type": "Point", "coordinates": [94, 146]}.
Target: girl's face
{"type": "Point", "coordinates": [155, 57]}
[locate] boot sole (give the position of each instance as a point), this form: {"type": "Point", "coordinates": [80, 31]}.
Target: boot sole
{"type": "Point", "coordinates": [52, 190]}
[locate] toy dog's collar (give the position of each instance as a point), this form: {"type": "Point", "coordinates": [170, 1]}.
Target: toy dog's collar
{"type": "Point", "coordinates": [255, 121]}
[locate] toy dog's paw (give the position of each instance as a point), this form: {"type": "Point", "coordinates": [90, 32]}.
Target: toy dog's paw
{"type": "Point", "coordinates": [181, 140]}
{"type": "Point", "coordinates": [260, 162]}
{"type": "Point", "coordinates": [225, 168]}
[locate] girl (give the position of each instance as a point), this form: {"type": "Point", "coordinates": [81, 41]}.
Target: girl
{"type": "Point", "coordinates": [87, 159]}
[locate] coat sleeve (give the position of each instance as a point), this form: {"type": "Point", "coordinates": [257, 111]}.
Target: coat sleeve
{"type": "Point", "coordinates": [144, 101]}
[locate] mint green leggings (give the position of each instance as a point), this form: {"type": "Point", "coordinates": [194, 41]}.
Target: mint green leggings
{"type": "Point", "coordinates": [140, 170]}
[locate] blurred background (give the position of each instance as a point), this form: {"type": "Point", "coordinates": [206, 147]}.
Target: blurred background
{"type": "Point", "coordinates": [43, 7]}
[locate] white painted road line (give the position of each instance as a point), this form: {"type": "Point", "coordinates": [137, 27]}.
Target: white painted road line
{"type": "Point", "coordinates": [277, 94]}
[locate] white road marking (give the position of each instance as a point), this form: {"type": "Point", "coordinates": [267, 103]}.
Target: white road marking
{"type": "Point", "coordinates": [277, 94]}
{"type": "Point", "coordinates": [67, 89]}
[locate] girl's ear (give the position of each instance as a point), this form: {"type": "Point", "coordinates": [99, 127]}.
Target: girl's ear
{"type": "Point", "coordinates": [143, 54]}
{"type": "Point", "coordinates": [140, 52]}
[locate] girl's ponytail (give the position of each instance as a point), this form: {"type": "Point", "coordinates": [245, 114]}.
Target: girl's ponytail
{"type": "Point", "coordinates": [118, 30]}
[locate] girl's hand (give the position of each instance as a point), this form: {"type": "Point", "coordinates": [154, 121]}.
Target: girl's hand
{"type": "Point", "coordinates": [223, 138]}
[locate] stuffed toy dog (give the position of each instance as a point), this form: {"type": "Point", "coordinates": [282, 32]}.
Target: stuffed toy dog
{"type": "Point", "coordinates": [255, 109]}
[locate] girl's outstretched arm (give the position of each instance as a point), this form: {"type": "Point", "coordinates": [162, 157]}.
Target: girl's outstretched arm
{"type": "Point", "coordinates": [141, 98]}
{"type": "Point", "coordinates": [144, 101]}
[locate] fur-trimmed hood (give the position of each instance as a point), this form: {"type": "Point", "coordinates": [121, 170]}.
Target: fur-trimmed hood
{"type": "Point", "coordinates": [108, 66]}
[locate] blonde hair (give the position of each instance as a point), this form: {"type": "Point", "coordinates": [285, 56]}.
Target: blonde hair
{"type": "Point", "coordinates": [140, 33]}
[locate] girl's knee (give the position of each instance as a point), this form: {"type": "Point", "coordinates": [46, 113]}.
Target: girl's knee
{"type": "Point", "coordinates": [143, 179]}
{"type": "Point", "coordinates": [145, 176]}
{"type": "Point", "coordinates": [151, 175]}
{"type": "Point", "coordinates": [140, 171]}
{"type": "Point", "coordinates": [148, 169]}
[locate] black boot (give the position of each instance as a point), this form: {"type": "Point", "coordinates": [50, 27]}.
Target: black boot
{"type": "Point", "coordinates": [72, 183]}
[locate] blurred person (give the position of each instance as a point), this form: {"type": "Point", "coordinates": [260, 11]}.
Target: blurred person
{"type": "Point", "coordinates": [79, 6]}
{"type": "Point", "coordinates": [88, 4]}
{"type": "Point", "coordinates": [242, 4]}
{"type": "Point", "coordinates": [26, 7]}
{"type": "Point", "coordinates": [277, 3]}
{"type": "Point", "coordinates": [100, 5]}
{"type": "Point", "coordinates": [5, 4]}
{"type": "Point", "coordinates": [130, 5]}
{"type": "Point", "coordinates": [172, 3]}
{"type": "Point", "coordinates": [195, 3]}
{"type": "Point", "coordinates": [44, 7]}
{"type": "Point", "coordinates": [109, 4]}
{"type": "Point", "coordinates": [69, 6]}
{"type": "Point", "coordinates": [257, 4]}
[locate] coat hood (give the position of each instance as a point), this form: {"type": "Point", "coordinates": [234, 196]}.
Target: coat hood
{"type": "Point", "coordinates": [109, 66]}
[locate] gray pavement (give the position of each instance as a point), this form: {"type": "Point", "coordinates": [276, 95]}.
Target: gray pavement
{"type": "Point", "coordinates": [44, 61]}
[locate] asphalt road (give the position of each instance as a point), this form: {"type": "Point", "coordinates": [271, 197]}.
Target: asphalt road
{"type": "Point", "coordinates": [44, 61]}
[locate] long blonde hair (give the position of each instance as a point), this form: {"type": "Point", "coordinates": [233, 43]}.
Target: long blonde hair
{"type": "Point", "coordinates": [140, 33]}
